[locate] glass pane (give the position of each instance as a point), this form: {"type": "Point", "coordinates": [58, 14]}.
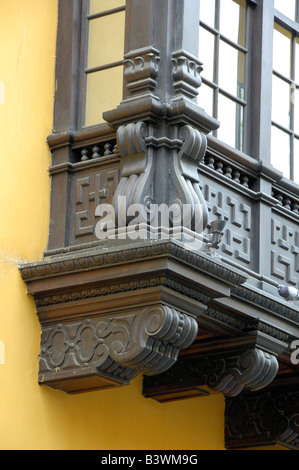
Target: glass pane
{"type": "Point", "coordinates": [296, 161]}
{"type": "Point", "coordinates": [233, 20]}
{"type": "Point", "coordinates": [281, 93]}
{"type": "Point", "coordinates": [230, 116]}
{"type": "Point", "coordinates": [97, 6]}
{"type": "Point", "coordinates": [206, 56]}
{"type": "Point", "coordinates": [231, 68]}
{"type": "Point", "coordinates": [297, 61]}
{"type": "Point", "coordinates": [282, 42]}
{"type": "Point", "coordinates": [106, 39]}
{"type": "Point", "coordinates": [207, 12]}
{"type": "Point", "coordinates": [295, 100]}
{"type": "Point", "coordinates": [287, 7]}
{"type": "Point", "coordinates": [205, 99]}
{"type": "Point", "coordinates": [280, 151]}
{"type": "Point", "coordinates": [103, 92]}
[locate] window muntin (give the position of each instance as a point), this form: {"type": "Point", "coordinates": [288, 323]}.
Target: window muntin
{"type": "Point", "coordinates": [287, 8]}
{"type": "Point", "coordinates": [223, 36]}
{"type": "Point", "coordinates": [224, 92]}
{"type": "Point", "coordinates": [285, 86]}
{"type": "Point", "coordinates": [104, 62]}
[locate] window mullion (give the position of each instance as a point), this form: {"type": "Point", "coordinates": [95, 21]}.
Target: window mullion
{"type": "Point", "coordinates": [258, 135]}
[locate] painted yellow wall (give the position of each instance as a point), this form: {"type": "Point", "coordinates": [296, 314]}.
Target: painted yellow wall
{"type": "Point", "coordinates": [34, 417]}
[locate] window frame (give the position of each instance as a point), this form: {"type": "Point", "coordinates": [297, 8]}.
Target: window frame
{"type": "Point", "coordinates": [214, 85]}
{"type": "Point", "coordinates": [291, 27]}
{"type": "Point", "coordinates": [85, 71]}
{"type": "Point", "coordinates": [257, 104]}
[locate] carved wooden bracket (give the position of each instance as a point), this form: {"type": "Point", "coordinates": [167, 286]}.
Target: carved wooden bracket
{"type": "Point", "coordinates": [226, 366]}
{"type": "Point", "coordinates": [138, 186]}
{"type": "Point", "coordinates": [109, 314]}
{"type": "Point", "coordinates": [137, 169]}
{"type": "Point", "coordinates": [184, 175]}
{"type": "Point", "coordinates": [114, 348]}
{"type": "Point", "coordinates": [254, 370]}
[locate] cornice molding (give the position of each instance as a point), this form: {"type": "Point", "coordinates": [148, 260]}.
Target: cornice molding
{"type": "Point", "coordinates": [103, 256]}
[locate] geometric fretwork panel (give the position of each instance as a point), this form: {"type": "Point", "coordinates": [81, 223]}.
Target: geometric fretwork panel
{"type": "Point", "coordinates": [237, 211]}
{"type": "Point", "coordinates": [284, 251]}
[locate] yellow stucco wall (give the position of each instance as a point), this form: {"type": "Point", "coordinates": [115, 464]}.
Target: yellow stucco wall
{"type": "Point", "coordinates": [34, 417]}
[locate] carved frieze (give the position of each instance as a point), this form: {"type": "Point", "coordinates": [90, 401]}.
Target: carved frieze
{"type": "Point", "coordinates": [119, 346]}
{"type": "Point", "coordinates": [261, 419]}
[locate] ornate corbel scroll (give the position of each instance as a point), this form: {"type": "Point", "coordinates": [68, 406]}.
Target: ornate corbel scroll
{"type": "Point", "coordinates": [136, 171]}
{"type": "Point", "coordinates": [254, 370]}
{"type": "Point", "coordinates": [230, 373]}
{"type": "Point", "coordinates": [114, 348]}
{"type": "Point", "coordinates": [185, 178]}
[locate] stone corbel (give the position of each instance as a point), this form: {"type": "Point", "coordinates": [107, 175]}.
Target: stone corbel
{"type": "Point", "coordinates": [113, 349]}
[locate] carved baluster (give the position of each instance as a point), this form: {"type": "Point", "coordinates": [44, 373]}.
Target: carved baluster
{"type": "Point", "coordinates": [228, 172]}
{"type": "Point", "coordinates": [279, 198]}
{"type": "Point", "coordinates": [236, 176]}
{"type": "Point", "coordinates": [295, 207]}
{"type": "Point", "coordinates": [287, 203]}
{"type": "Point", "coordinates": [245, 181]}
{"type": "Point", "coordinates": [95, 152]}
{"type": "Point", "coordinates": [84, 155]}
{"type": "Point", "coordinates": [108, 149]}
{"type": "Point", "coordinates": [219, 167]}
{"type": "Point", "coordinates": [115, 149]}
{"type": "Point", "coordinates": [210, 162]}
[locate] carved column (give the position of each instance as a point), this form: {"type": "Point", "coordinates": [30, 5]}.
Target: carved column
{"type": "Point", "coordinates": [161, 130]}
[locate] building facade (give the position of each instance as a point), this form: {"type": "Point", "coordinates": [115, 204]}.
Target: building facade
{"type": "Point", "coordinates": [151, 261]}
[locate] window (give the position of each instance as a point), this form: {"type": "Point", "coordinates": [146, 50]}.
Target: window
{"type": "Point", "coordinates": [285, 89]}
{"type": "Point", "coordinates": [229, 36]}
{"type": "Point", "coordinates": [222, 95]}
{"type": "Point", "coordinates": [103, 68]}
